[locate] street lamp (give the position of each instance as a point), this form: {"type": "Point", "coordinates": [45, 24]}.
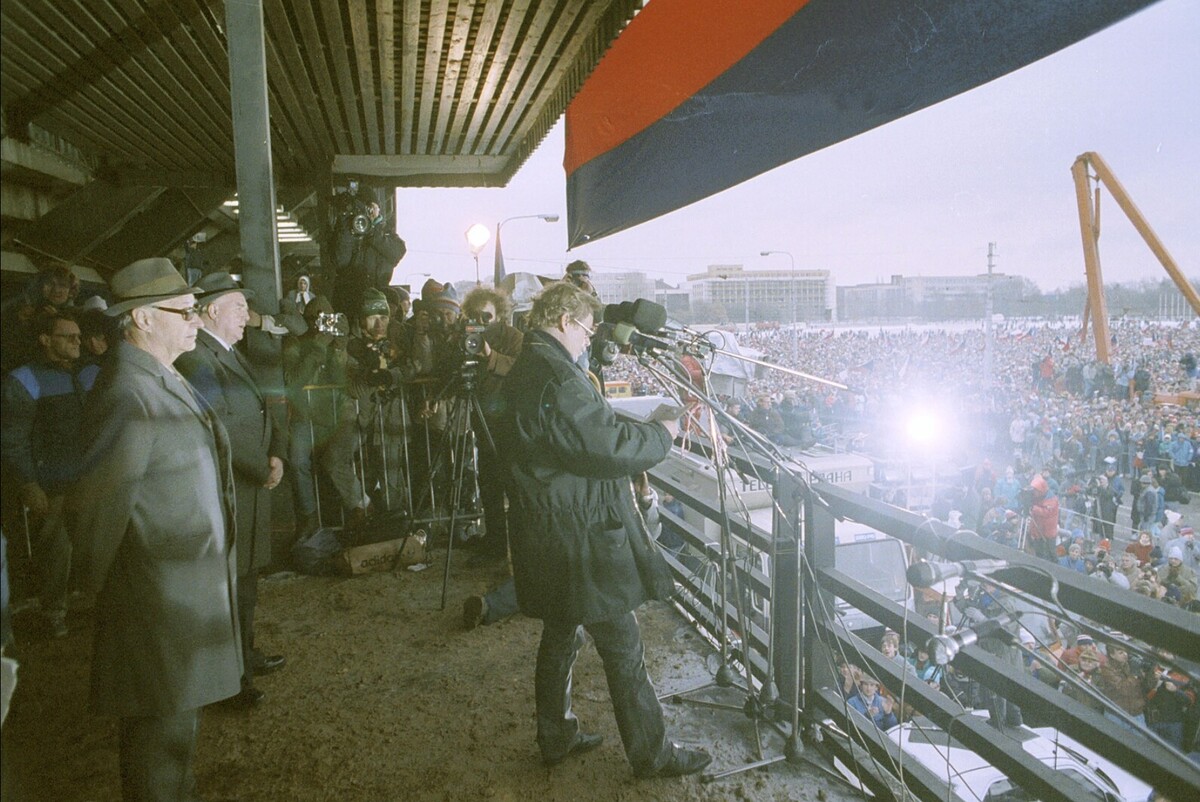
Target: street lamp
{"type": "Point", "coordinates": [477, 236]}
{"type": "Point", "coordinates": [498, 272]}
{"type": "Point", "coordinates": [792, 292]}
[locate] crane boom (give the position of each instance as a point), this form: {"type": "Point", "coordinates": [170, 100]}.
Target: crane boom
{"type": "Point", "coordinates": [1086, 165]}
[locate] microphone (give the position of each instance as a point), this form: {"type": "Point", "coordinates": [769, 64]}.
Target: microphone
{"type": "Point", "coordinates": [646, 316]}
{"type": "Point", "coordinates": [618, 313]}
{"type": "Point", "coordinates": [924, 574]}
{"type": "Point", "coordinates": [627, 334]}
{"type": "Point", "coordinates": [944, 648]}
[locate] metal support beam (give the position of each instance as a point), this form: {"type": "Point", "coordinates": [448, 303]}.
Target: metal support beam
{"type": "Point", "coordinates": [252, 150]}
{"type": "Point", "coordinates": [1089, 230]}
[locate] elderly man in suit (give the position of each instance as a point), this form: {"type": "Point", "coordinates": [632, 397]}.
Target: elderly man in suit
{"type": "Point", "coordinates": [154, 533]}
{"type": "Point", "coordinates": [222, 376]}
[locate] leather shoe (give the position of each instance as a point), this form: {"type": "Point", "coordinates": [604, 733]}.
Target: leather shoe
{"type": "Point", "coordinates": [246, 698]}
{"type": "Point", "coordinates": [681, 763]}
{"type": "Point", "coordinates": [267, 663]}
{"type": "Point", "coordinates": [584, 742]}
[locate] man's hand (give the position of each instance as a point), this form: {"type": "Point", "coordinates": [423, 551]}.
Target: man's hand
{"type": "Point", "coordinates": [672, 427]}
{"type": "Point", "coordinates": [276, 475]}
{"type": "Point", "coordinates": [33, 497]}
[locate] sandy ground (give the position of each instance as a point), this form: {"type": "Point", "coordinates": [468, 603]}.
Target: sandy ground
{"type": "Point", "coordinates": [386, 697]}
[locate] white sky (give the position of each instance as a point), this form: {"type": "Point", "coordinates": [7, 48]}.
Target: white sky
{"type": "Point", "coordinates": [921, 195]}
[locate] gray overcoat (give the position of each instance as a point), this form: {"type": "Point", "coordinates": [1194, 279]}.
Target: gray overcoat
{"type": "Point", "coordinates": [154, 536]}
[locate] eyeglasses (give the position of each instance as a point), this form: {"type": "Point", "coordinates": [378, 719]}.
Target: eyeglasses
{"type": "Point", "coordinates": [188, 313]}
{"type": "Point", "coordinates": [590, 332]}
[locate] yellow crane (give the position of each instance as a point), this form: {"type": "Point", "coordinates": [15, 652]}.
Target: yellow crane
{"type": "Point", "coordinates": [1089, 168]}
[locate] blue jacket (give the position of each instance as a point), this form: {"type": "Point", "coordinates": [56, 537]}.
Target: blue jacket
{"type": "Point", "coordinates": [43, 414]}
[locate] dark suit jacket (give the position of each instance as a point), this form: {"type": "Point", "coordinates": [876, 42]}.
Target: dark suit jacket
{"type": "Point", "coordinates": [223, 378]}
{"type": "Point", "coordinates": [153, 538]}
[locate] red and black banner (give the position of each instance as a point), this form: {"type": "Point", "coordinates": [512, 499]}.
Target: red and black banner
{"type": "Point", "coordinates": [696, 96]}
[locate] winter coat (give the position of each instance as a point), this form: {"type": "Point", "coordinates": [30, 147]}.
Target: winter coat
{"type": "Point", "coordinates": [43, 412]}
{"type": "Point", "coordinates": [580, 550]}
{"type": "Point", "coordinates": [1044, 514]}
{"type": "Point", "coordinates": [222, 376]}
{"type": "Point", "coordinates": [153, 538]}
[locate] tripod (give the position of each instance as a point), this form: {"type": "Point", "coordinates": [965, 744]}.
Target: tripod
{"type": "Point", "coordinates": [459, 446]}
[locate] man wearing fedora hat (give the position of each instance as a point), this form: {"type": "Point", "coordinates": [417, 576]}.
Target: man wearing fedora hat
{"type": "Point", "coordinates": [154, 532]}
{"type": "Point", "coordinates": [223, 377]}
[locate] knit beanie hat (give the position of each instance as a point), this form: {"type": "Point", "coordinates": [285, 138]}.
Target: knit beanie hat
{"type": "Point", "coordinates": [445, 300]}
{"type": "Point", "coordinates": [373, 302]}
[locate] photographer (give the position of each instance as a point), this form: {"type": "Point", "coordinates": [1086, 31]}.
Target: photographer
{"type": "Point", "coordinates": [365, 250]}
{"type": "Point", "coordinates": [317, 357]}
{"type": "Point", "coordinates": [368, 414]}
{"type": "Point", "coordinates": [488, 314]}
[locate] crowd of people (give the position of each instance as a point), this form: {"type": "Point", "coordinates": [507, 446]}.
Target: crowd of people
{"type": "Point", "coordinates": [376, 399]}
{"type": "Point", "coordinates": [1133, 688]}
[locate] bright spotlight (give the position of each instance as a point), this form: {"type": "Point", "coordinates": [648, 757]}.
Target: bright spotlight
{"type": "Point", "coordinates": [922, 428]}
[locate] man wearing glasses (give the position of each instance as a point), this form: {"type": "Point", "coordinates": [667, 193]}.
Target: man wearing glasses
{"type": "Point", "coordinates": [153, 532]}
{"type": "Point", "coordinates": [43, 410]}
{"type": "Point", "coordinates": [582, 558]}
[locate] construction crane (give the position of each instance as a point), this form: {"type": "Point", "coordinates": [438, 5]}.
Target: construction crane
{"type": "Point", "coordinates": [1088, 168]}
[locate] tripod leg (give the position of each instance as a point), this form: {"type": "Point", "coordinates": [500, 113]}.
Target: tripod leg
{"type": "Point", "coordinates": [455, 497]}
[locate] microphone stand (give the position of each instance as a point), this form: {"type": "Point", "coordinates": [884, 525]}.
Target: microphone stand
{"type": "Point", "coordinates": [676, 381]}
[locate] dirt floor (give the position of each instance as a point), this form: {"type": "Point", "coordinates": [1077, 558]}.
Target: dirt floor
{"type": "Point", "coordinates": [386, 697]}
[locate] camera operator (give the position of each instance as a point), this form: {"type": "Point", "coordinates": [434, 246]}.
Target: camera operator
{"type": "Point", "coordinates": [365, 250]}
{"type": "Point", "coordinates": [488, 313]}
{"type": "Point", "coordinates": [368, 412]}
{"type": "Point", "coordinates": [429, 350]}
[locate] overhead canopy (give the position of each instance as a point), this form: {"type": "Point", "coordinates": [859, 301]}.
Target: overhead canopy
{"type": "Point", "coordinates": [122, 108]}
{"type": "Point", "coordinates": [696, 96]}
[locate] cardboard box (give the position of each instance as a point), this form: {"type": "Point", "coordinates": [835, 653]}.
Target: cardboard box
{"type": "Point", "coordinates": [385, 556]}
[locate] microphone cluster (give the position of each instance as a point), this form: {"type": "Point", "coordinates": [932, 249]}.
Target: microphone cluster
{"type": "Point", "coordinates": [642, 325]}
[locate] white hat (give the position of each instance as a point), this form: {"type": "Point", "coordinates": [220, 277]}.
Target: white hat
{"type": "Point", "coordinates": [1175, 553]}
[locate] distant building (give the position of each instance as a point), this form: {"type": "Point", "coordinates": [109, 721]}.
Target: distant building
{"type": "Point", "coordinates": [677, 300]}
{"type": "Point", "coordinates": [924, 297]}
{"type": "Point", "coordinates": [614, 287]}
{"type": "Point", "coordinates": [762, 295]}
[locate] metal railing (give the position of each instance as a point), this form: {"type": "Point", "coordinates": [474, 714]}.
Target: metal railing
{"type": "Point", "coordinates": [805, 569]}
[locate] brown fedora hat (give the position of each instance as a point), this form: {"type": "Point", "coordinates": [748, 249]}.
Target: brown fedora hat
{"type": "Point", "coordinates": [143, 282]}
{"type": "Point", "coordinates": [214, 285]}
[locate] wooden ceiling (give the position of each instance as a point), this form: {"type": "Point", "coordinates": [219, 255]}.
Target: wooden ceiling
{"type": "Point", "coordinates": [398, 92]}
